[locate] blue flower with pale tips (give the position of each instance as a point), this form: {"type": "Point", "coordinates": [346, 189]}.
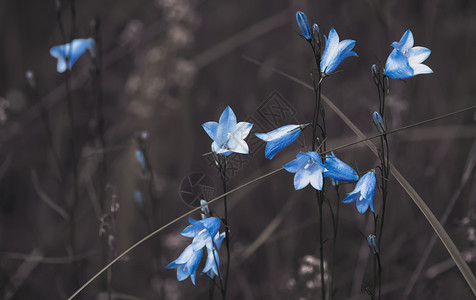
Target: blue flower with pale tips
{"type": "Point", "coordinates": [335, 52]}
{"type": "Point", "coordinates": [338, 170]}
{"type": "Point", "coordinates": [228, 135]}
{"type": "Point", "coordinates": [69, 53]}
{"type": "Point", "coordinates": [280, 138]}
{"type": "Point", "coordinates": [308, 168]}
{"type": "Point", "coordinates": [187, 263]}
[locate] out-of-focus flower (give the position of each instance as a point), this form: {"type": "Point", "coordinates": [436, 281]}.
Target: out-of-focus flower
{"type": "Point", "coordinates": [187, 263]}
{"type": "Point", "coordinates": [280, 138]}
{"type": "Point", "coordinates": [335, 52]}
{"type": "Point", "coordinates": [378, 121]}
{"type": "Point", "coordinates": [338, 170]}
{"type": "Point", "coordinates": [303, 24]}
{"type": "Point", "coordinates": [202, 232]}
{"type": "Point", "coordinates": [405, 60]}
{"type": "Point", "coordinates": [141, 159]}
{"type": "Point", "coordinates": [69, 53]}
{"type": "Point", "coordinates": [213, 260]}
{"type": "Point", "coordinates": [227, 135]}
{"type": "Point", "coordinates": [363, 192]}
{"type": "Point", "coordinates": [308, 168]}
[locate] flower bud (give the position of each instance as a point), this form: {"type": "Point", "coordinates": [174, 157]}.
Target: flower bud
{"type": "Point", "coordinates": [371, 240]}
{"type": "Point", "coordinates": [303, 25]}
{"type": "Point", "coordinates": [315, 33]}
{"type": "Point", "coordinates": [141, 159]}
{"type": "Point", "coordinates": [205, 209]}
{"type": "Point", "coordinates": [378, 121]}
{"type": "Point", "coordinates": [30, 77]}
{"type": "Point", "coordinates": [375, 74]}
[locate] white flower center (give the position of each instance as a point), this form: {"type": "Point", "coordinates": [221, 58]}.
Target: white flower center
{"type": "Point", "coordinates": [310, 162]}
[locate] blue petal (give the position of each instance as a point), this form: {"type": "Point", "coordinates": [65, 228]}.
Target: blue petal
{"type": "Point", "coordinates": [397, 66]}
{"type": "Point", "coordinates": [406, 42]}
{"type": "Point", "coordinates": [296, 164]}
{"type": "Point", "coordinates": [302, 179]}
{"type": "Point", "coordinates": [417, 55]}
{"type": "Point", "coordinates": [211, 129]}
{"type": "Point", "coordinates": [368, 185]}
{"type": "Point", "coordinates": [242, 129]}
{"type": "Point", "coordinates": [303, 24]}
{"type": "Point", "coordinates": [273, 147]}
{"type": "Point", "coordinates": [212, 224]}
{"type": "Point", "coordinates": [226, 125]}
{"type": "Point", "coordinates": [72, 51]}
{"type": "Point", "coordinates": [335, 52]}
{"type": "Point", "coordinates": [351, 197]}
{"type": "Point", "coordinates": [362, 205]}
{"type": "Point", "coordinates": [316, 180]}
{"type": "Point", "coordinates": [421, 69]}
{"type": "Point", "coordinates": [338, 170]}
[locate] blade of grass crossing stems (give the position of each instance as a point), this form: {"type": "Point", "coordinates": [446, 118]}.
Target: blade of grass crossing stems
{"type": "Point", "coordinates": [435, 224]}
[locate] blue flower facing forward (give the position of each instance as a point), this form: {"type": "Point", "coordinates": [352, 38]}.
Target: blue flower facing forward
{"type": "Point", "coordinates": [363, 192]}
{"type": "Point", "coordinates": [405, 60]}
{"type": "Point", "coordinates": [303, 25]}
{"type": "Point", "coordinates": [280, 138]}
{"type": "Point", "coordinates": [213, 260]}
{"type": "Point", "coordinates": [187, 263]}
{"type": "Point", "coordinates": [335, 52]}
{"type": "Point", "coordinates": [338, 170]}
{"type": "Point", "coordinates": [227, 135]}
{"type": "Point", "coordinates": [70, 52]}
{"type": "Point", "coordinates": [308, 168]}
{"type": "Point", "coordinates": [202, 232]}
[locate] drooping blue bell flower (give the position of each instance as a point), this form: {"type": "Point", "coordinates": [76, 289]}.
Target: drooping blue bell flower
{"type": "Point", "coordinates": [280, 138]}
{"type": "Point", "coordinates": [187, 263]}
{"type": "Point", "coordinates": [363, 192]}
{"type": "Point", "coordinates": [338, 170]}
{"type": "Point", "coordinates": [202, 232]}
{"type": "Point", "coordinates": [213, 260]}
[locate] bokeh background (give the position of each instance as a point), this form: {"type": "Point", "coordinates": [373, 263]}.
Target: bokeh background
{"type": "Point", "coordinates": [168, 66]}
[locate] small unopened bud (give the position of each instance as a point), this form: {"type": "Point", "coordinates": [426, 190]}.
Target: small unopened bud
{"type": "Point", "coordinates": [315, 33]}
{"type": "Point", "coordinates": [378, 121]}
{"type": "Point", "coordinates": [372, 241]}
{"type": "Point", "coordinates": [205, 209]}
{"type": "Point", "coordinates": [375, 74]}
{"type": "Point", "coordinates": [30, 77]}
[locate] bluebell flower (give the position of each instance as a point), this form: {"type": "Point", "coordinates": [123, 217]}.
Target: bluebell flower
{"type": "Point", "coordinates": [335, 52]}
{"type": "Point", "coordinates": [338, 170]}
{"type": "Point", "coordinates": [378, 122]}
{"type": "Point", "coordinates": [308, 168]}
{"type": "Point", "coordinates": [227, 135]}
{"type": "Point", "coordinates": [141, 159]}
{"type": "Point", "coordinates": [303, 25]}
{"type": "Point", "coordinates": [187, 263]}
{"type": "Point", "coordinates": [213, 260]}
{"type": "Point", "coordinates": [202, 232]}
{"type": "Point", "coordinates": [363, 193]}
{"type": "Point", "coordinates": [71, 52]}
{"type": "Point", "coordinates": [405, 60]}
{"type": "Point", "coordinates": [280, 138]}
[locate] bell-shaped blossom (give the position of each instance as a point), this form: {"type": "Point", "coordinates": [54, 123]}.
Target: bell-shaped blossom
{"type": "Point", "coordinates": [187, 263]}
{"type": "Point", "coordinates": [338, 170]}
{"type": "Point", "coordinates": [308, 168]}
{"type": "Point", "coordinates": [69, 53]}
{"type": "Point", "coordinates": [405, 60]}
{"type": "Point", "coordinates": [227, 135]}
{"type": "Point", "coordinates": [280, 138]}
{"type": "Point", "coordinates": [363, 192]}
{"type": "Point", "coordinates": [202, 232]}
{"type": "Point", "coordinates": [303, 24]}
{"type": "Point", "coordinates": [213, 260]}
{"type": "Point", "coordinates": [335, 52]}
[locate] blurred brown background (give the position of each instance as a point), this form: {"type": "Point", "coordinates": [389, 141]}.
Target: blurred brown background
{"type": "Point", "coordinates": [169, 66]}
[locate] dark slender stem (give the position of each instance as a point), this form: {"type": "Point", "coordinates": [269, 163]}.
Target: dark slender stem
{"type": "Point", "coordinates": [379, 276]}
{"type": "Point", "coordinates": [227, 230]}
{"type": "Point", "coordinates": [319, 197]}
